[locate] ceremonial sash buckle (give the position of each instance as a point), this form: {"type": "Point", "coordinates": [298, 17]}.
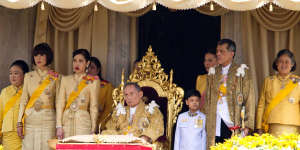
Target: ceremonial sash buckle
{"type": "Point", "coordinates": [74, 106]}
{"type": "Point", "coordinates": [38, 105]}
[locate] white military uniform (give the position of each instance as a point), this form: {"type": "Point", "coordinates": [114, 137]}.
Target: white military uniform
{"type": "Point", "coordinates": [190, 132]}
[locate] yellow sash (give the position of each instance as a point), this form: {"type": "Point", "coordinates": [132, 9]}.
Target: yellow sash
{"type": "Point", "coordinates": [12, 102]}
{"type": "Point", "coordinates": [37, 93]}
{"type": "Point", "coordinates": [222, 91]}
{"type": "Point", "coordinates": [74, 94]}
{"type": "Point", "coordinates": [275, 101]}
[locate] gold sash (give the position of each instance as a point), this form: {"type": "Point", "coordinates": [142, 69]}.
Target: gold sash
{"type": "Point", "coordinates": [281, 95]}
{"type": "Point", "coordinates": [12, 102]}
{"type": "Point", "coordinates": [37, 93]}
{"type": "Point", "coordinates": [74, 94]}
{"type": "Point", "coordinates": [222, 91]}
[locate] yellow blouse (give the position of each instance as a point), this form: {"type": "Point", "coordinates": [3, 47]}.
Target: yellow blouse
{"type": "Point", "coordinates": [201, 83]}
{"type": "Point", "coordinates": [105, 100]}
{"type": "Point", "coordinates": [287, 111]}
{"type": "Point", "coordinates": [9, 123]}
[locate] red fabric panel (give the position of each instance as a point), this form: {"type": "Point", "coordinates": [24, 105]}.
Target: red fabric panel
{"type": "Point", "coordinates": [81, 146]}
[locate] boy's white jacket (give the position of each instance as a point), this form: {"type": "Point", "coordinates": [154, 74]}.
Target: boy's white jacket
{"type": "Point", "coordinates": [190, 134]}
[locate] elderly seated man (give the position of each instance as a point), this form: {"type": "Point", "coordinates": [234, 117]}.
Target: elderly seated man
{"type": "Point", "coordinates": [137, 118]}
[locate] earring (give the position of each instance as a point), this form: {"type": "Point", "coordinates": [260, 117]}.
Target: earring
{"type": "Point", "coordinates": [87, 69]}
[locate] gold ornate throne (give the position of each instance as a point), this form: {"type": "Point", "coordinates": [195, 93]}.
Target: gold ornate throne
{"type": "Point", "coordinates": [158, 86]}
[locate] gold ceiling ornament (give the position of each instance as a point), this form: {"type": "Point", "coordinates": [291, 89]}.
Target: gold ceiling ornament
{"type": "Point", "coordinates": [149, 73]}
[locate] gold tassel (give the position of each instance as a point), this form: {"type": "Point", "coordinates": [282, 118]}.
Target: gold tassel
{"type": "Point", "coordinates": [12, 1]}
{"type": "Point", "coordinates": [154, 6]}
{"type": "Point", "coordinates": [271, 7]}
{"type": "Point", "coordinates": [96, 7]}
{"type": "Point", "coordinates": [42, 6]}
{"type": "Point", "coordinates": [212, 8]}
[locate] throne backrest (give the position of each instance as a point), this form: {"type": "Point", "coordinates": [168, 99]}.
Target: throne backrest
{"type": "Point", "coordinates": [158, 86]}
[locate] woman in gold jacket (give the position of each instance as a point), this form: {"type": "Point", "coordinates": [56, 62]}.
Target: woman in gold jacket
{"type": "Point", "coordinates": [9, 106]}
{"type": "Point", "coordinates": [37, 110]}
{"type": "Point", "coordinates": [105, 96]}
{"type": "Point", "coordinates": [210, 60]}
{"type": "Point", "coordinates": [77, 103]}
{"type": "Point", "coordinates": [278, 108]}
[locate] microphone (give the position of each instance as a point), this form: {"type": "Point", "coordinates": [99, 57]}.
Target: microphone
{"type": "Point", "coordinates": [100, 124]}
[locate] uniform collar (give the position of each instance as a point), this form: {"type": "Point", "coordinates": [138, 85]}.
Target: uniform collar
{"type": "Point", "coordinates": [193, 114]}
{"type": "Point", "coordinates": [132, 109]}
{"type": "Point", "coordinates": [225, 69]}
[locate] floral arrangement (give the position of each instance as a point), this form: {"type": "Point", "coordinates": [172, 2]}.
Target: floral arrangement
{"type": "Point", "coordinates": [263, 142]}
{"type": "Point", "coordinates": [120, 109]}
{"type": "Point", "coordinates": [151, 106]}
{"type": "Point", "coordinates": [90, 78]}
{"type": "Point", "coordinates": [240, 72]}
{"type": "Point", "coordinates": [211, 71]}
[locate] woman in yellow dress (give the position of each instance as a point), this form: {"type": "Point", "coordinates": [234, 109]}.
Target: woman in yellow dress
{"type": "Point", "coordinates": [105, 96]}
{"type": "Point", "coordinates": [210, 60]}
{"type": "Point", "coordinates": [278, 109]}
{"type": "Point", "coordinates": [9, 106]}
{"type": "Point", "coordinates": [37, 110]}
{"type": "Point", "coordinates": [77, 103]}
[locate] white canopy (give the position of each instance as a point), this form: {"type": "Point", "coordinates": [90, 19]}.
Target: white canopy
{"type": "Point", "coordinates": [134, 5]}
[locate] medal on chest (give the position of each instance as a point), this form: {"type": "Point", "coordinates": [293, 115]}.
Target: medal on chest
{"type": "Point", "coordinates": [292, 100]}
{"type": "Point", "coordinates": [198, 123]}
{"type": "Point", "coordinates": [240, 99]}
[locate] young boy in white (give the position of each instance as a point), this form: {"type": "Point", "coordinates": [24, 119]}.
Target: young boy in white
{"type": "Point", "coordinates": [190, 130]}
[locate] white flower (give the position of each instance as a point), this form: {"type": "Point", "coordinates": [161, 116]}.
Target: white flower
{"type": "Point", "coordinates": [150, 107]}
{"type": "Point", "coordinates": [211, 71]}
{"type": "Point", "coordinates": [241, 70]}
{"type": "Point", "coordinates": [120, 109]}
{"type": "Point", "coordinates": [244, 66]}
{"type": "Point", "coordinates": [288, 148]}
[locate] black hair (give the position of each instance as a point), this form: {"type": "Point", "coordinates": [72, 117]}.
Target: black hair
{"type": "Point", "coordinates": [289, 54]}
{"type": "Point", "coordinates": [22, 64]}
{"type": "Point", "coordinates": [136, 86]}
{"type": "Point", "coordinates": [211, 51]}
{"type": "Point", "coordinates": [136, 61]}
{"type": "Point", "coordinates": [85, 53]}
{"type": "Point", "coordinates": [191, 93]}
{"type": "Point", "coordinates": [43, 49]}
{"type": "Point", "coordinates": [97, 62]}
{"type": "Point", "coordinates": [231, 46]}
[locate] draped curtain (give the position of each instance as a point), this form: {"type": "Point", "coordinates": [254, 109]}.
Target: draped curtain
{"type": "Point", "coordinates": [69, 29]}
{"type": "Point", "coordinates": [264, 33]}
{"type": "Point", "coordinates": [259, 35]}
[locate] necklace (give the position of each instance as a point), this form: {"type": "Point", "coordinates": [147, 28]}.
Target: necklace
{"type": "Point", "coordinates": [77, 79]}
{"type": "Point", "coordinates": [42, 77]}
{"type": "Point", "coordinates": [283, 81]}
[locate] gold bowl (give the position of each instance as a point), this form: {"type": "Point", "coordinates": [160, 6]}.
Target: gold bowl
{"type": "Point", "coordinates": [52, 143]}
